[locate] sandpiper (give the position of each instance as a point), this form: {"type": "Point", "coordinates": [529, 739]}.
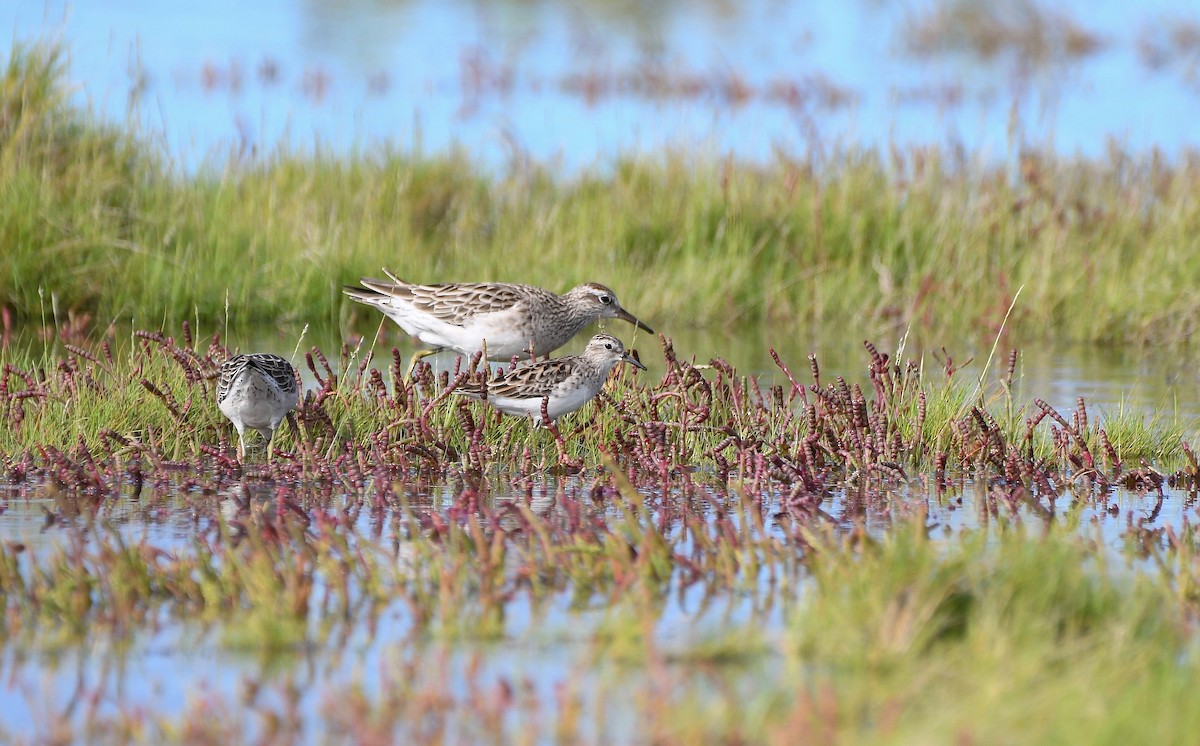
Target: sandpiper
{"type": "Point", "coordinates": [565, 383]}
{"type": "Point", "coordinates": [257, 391]}
{"type": "Point", "coordinates": [504, 319]}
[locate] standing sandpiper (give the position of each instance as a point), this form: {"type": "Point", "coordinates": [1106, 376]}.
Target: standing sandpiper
{"type": "Point", "coordinates": [257, 391]}
{"type": "Point", "coordinates": [504, 319]}
{"type": "Point", "coordinates": [564, 384]}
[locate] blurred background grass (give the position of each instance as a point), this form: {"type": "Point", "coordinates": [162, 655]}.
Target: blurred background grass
{"type": "Point", "coordinates": [97, 220]}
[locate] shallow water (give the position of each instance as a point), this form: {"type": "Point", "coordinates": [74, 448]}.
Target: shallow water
{"type": "Point", "coordinates": [578, 83]}
{"type": "Point", "coordinates": [166, 671]}
{"type": "Point", "coordinates": [172, 515]}
{"type": "Point", "coordinates": [172, 669]}
{"type": "Point", "coordinates": [178, 668]}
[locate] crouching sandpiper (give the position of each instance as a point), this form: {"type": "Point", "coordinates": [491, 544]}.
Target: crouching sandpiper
{"type": "Point", "coordinates": [564, 384]}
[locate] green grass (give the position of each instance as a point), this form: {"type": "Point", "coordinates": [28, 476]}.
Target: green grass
{"type": "Point", "coordinates": [1106, 249]}
{"type": "Point", "coordinates": [990, 637]}
{"type": "Point", "coordinates": [150, 399]}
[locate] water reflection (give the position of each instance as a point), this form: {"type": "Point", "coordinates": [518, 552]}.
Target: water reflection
{"type": "Point", "coordinates": [175, 510]}
{"type": "Point", "coordinates": [579, 83]}
{"type": "Point", "coordinates": [543, 637]}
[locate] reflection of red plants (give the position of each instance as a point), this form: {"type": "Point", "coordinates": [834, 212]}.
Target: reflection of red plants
{"type": "Point", "coordinates": [213, 77]}
{"type": "Point", "coordinates": [316, 84]}
{"type": "Point", "coordinates": [482, 76]}
{"type": "Point", "coordinates": [268, 71]}
{"type": "Point", "coordinates": [1031, 35]}
{"type": "Point", "coordinates": [654, 83]}
{"type": "Point", "coordinates": [1173, 44]}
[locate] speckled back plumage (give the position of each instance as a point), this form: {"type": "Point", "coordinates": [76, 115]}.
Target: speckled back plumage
{"type": "Point", "coordinates": [274, 367]}
{"type": "Point", "coordinates": [534, 381]}
{"type": "Point", "coordinates": [457, 303]}
{"type": "Point", "coordinates": [566, 383]}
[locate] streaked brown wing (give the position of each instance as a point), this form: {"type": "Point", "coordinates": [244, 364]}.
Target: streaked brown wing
{"type": "Point", "coordinates": [533, 381]}
{"type": "Point", "coordinates": [456, 303]}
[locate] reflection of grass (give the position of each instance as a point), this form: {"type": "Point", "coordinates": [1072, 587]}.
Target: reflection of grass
{"type": "Point", "coordinates": [1002, 635]}
{"type": "Point", "coordinates": [94, 221]}
{"type": "Point", "coordinates": [1171, 42]}
{"type": "Point", "coordinates": [1010, 637]}
{"type": "Point", "coordinates": [1033, 35]}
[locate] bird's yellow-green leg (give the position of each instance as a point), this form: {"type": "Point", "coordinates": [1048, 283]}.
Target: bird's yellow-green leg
{"type": "Point", "coordinates": [416, 358]}
{"type": "Point", "coordinates": [271, 445]}
{"type": "Point", "coordinates": [295, 431]}
{"type": "Point", "coordinates": [241, 452]}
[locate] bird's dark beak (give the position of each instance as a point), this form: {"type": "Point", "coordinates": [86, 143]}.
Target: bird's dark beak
{"type": "Point", "coordinates": [633, 361]}
{"type": "Point", "coordinates": [624, 315]}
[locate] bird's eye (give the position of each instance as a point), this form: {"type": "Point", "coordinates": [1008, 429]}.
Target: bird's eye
{"type": "Point", "coordinates": [606, 300]}
{"type": "Point", "coordinates": [607, 346]}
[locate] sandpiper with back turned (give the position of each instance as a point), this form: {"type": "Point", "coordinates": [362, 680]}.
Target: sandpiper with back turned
{"type": "Point", "coordinates": [504, 319]}
{"type": "Point", "coordinates": [257, 391]}
{"type": "Point", "coordinates": [564, 384]}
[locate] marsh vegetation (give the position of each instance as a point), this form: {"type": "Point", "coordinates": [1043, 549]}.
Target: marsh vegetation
{"type": "Point", "coordinates": [908, 552]}
{"type": "Point", "coordinates": [855, 237]}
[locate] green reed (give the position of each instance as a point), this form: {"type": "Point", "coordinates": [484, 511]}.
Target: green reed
{"type": "Point", "coordinates": [878, 242]}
